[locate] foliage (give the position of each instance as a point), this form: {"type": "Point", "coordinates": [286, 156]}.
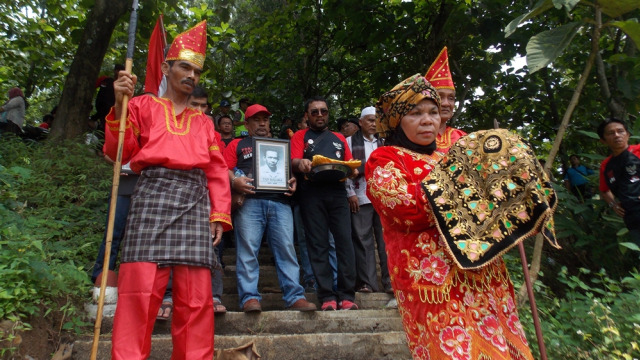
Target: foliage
{"type": "Point", "coordinates": [52, 206]}
{"type": "Point", "coordinates": [34, 52]}
{"type": "Point", "coordinates": [598, 318]}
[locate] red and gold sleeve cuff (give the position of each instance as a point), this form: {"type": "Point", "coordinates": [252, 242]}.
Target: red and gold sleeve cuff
{"type": "Point", "coordinates": [224, 219]}
{"type": "Point", "coordinates": [113, 124]}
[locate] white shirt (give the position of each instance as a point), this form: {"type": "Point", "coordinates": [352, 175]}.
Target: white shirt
{"type": "Point", "coordinates": [359, 187]}
{"type": "Point", "coordinates": [15, 109]}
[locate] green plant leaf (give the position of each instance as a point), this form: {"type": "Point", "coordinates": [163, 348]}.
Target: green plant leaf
{"type": "Point", "coordinates": [615, 8]}
{"type": "Point", "coordinates": [622, 232]}
{"type": "Point", "coordinates": [631, 28]}
{"type": "Point", "coordinates": [546, 46]}
{"type": "Point", "coordinates": [630, 245]}
{"type": "Point", "coordinates": [539, 8]}
{"type": "Point", "coordinates": [590, 134]}
{"type": "Point", "coordinates": [567, 4]}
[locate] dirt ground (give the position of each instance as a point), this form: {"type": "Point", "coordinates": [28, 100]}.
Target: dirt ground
{"type": "Point", "coordinates": [44, 341]}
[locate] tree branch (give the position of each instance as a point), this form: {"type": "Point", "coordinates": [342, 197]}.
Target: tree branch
{"type": "Point", "coordinates": [537, 254]}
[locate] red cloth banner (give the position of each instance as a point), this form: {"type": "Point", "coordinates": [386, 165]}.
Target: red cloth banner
{"type": "Point", "coordinates": [155, 57]}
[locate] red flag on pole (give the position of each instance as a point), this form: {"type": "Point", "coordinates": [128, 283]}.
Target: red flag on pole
{"type": "Point", "coordinates": [155, 57]}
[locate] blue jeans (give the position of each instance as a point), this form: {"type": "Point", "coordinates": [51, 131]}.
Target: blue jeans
{"type": "Point", "coordinates": [250, 222]}
{"type": "Point", "coordinates": [120, 220]}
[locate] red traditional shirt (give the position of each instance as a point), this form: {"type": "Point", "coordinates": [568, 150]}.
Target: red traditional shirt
{"type": "Point", "coordinates": [446, 140]}
{"type": "Point", "coordinates": [156, 136]}
{"type": "Point", "coordinates": [447, 312]}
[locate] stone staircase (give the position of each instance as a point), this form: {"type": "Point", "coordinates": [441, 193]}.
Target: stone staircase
{"type": "Point", "coordinates": [373, 332]}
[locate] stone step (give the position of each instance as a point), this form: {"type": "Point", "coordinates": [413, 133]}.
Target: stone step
{"type": "Point", "coordinates": [268, 281]}
{"type": "Point", "coordinates": [291, 322]}
{"type": "Point", "coordinates": [270, 302]}
{"type": "Point", "coordinates": [385, 345]}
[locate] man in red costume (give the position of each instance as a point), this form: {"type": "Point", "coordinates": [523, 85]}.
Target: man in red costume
{"type": "Point", "coordinates": [439, 75]}
{"type": "Point", "coordinates": [179, 209]}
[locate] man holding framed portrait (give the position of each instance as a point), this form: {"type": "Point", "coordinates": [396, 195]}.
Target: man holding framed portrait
{"type": "Point", "coordinates": [268, 187]}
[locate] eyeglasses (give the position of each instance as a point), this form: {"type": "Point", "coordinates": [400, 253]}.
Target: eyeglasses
{"type": "Point", "coordinates": [316, 112]}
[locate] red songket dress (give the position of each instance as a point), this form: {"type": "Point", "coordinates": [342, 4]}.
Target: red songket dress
{"type": "Point", "coordinates": [156, 136]}
{"type": "Point", "coordinates": [447, 312]}
{"type": "Point", "coordinates": [446, 140]}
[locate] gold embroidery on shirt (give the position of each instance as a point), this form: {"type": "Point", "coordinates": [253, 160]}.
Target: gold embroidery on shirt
{"type": "Point", "coordinates": [388, 185]}
{"type": "Point", "coordinates": [176, 125]}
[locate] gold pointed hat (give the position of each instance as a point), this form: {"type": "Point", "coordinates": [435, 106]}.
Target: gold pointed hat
{"type": "Point", "coordinates": [439, 73]}
{"type": "Point", "coordinates": [190, 45]}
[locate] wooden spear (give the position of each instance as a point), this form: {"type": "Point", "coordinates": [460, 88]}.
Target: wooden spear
{"type": "Point", "coordinates": [532, 299]}
{"type": "Point", "coordinates": [117, 168]}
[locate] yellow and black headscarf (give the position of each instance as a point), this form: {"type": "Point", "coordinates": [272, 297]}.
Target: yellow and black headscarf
{"type": "Point", "coordinates": [398, 102]}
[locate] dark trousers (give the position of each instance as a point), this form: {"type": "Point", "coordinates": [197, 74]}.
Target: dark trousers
{"type": "Point", "coordinates": [367, 235]}
{"type": "Point", "coordinates": [120, 220]}
{"type": "Point", "coordinates": [324, 210]}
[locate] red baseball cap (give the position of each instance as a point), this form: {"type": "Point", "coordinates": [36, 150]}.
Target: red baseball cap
{"type": "Point", "coordinates": [255, 109]}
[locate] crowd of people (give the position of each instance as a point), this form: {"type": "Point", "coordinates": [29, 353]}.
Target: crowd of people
{"type": "Point", "coordinates": [185, 164]}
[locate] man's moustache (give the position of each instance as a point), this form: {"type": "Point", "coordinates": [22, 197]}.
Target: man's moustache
{"type": "Point", "coordinates": [190, 82]}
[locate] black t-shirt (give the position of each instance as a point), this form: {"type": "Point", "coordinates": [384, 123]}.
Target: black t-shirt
{"type": "Point", "coordinates": [621, 175]}
{"type": "Point", "coordinates": [305, 144]}
{"type": "Point", "coordinates": [239, 153]}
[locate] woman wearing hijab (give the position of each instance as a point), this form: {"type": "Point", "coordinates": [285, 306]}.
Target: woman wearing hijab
{"type": "Point", "coordinates": [15, 107]}
{"type": "Point", "coordinates": [448, 312]}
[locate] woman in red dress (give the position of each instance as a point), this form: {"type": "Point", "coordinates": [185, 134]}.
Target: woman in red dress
{"type": "Point", "coordinates": [447, 312]}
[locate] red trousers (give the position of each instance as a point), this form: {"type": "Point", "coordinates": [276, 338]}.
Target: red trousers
{"type": "Point", "coordinates": [141, 286]}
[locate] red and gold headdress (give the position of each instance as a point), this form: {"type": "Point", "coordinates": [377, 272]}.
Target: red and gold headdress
{"type": "Point", "coordinates": [439, 74]}
{"type": "Point", "coordinates": [191, 45]}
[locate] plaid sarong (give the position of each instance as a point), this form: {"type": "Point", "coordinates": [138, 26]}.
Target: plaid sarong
{"type": "Point", "coordinates": [168, 220]}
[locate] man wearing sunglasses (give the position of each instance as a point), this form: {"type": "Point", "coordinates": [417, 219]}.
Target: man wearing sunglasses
{"type": "Point", "coordinates": [324, 207]}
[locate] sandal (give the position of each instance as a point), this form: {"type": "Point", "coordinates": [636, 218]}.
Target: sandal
{"type": "Point", "coordinates": [165, 311]}
{"type": "Point", "coordinates": [218, 308]}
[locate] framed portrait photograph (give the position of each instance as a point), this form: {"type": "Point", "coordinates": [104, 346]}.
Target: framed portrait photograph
{"type": "Point", "coordinates": [272, 164]}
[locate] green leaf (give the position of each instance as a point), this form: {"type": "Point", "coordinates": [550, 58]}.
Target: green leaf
{"type": "Point", "coordinates": [630, 245]}
{"type": "Point", "coordinates": [631, 28]}
{"type": "Point", "coordinates": [615, 8]}
{"type": "Point", "coordinates": [539, 8]}
{"type": "Point", "coordinates": [567, 4]}
{"type": "Point", "coordinates": [590, 134]}
{"type": "Point", "coordinates": [622, 232]}
{"type": "Point", "coordinates": [546, 46]}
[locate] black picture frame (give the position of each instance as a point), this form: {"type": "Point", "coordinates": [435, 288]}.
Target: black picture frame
{"type": "Point", "coordinates": [266, 178]}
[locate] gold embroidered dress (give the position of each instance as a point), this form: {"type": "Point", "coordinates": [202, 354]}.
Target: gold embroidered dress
{"type": "Point", "coordinates": [447, 312]}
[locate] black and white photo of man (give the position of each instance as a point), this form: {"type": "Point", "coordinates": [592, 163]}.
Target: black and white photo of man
{"type": "Point", "coordinates": [271, 170]}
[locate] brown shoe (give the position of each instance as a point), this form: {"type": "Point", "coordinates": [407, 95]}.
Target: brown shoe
{"type": "Point", "coordinates": [252, 305]}
{"type": "Point", "coordinates": [303, 305]}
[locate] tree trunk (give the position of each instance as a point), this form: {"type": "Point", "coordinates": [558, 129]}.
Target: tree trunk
{"type": "Point", "coordinates": [537, 254]}
{"type": "Point", "coordinates": [76, 101]}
